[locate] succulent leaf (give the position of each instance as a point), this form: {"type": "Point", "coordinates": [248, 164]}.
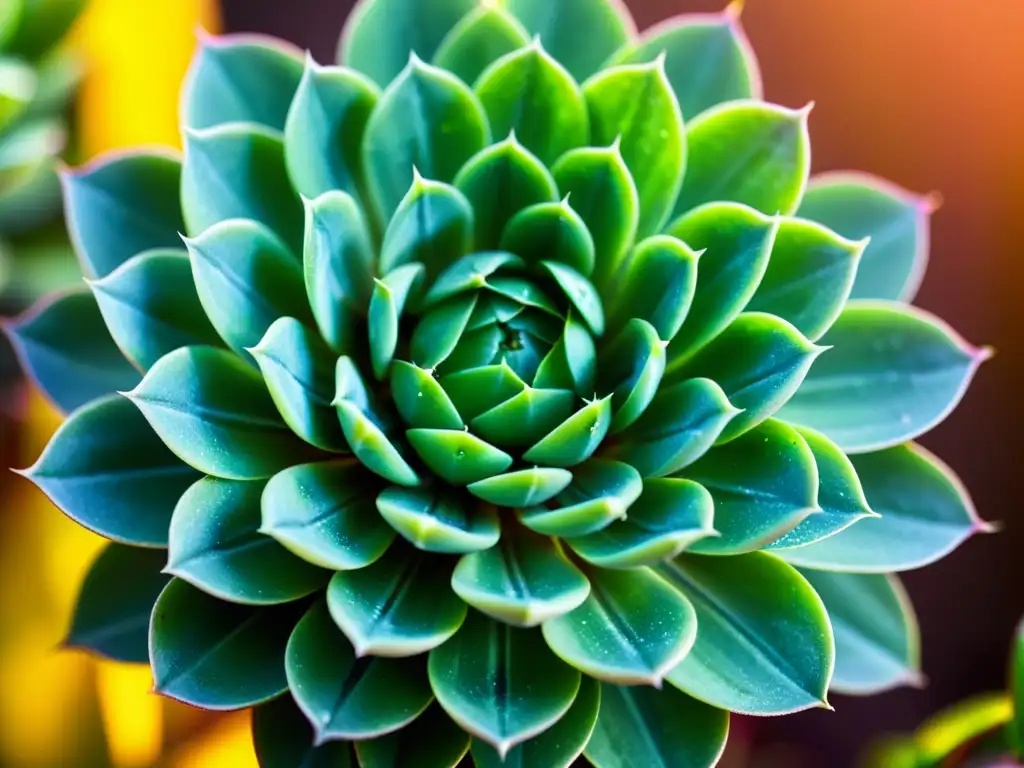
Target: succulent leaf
{"type": "Point", "coordinates": [432, 740]}
{"type": "Point", "coordinates": [551, 233]}
{"type": "Point", "coordinates": [387, 304]}
{"type": "Point", "coordinates": [283, 738]}
{"type": "Point", "coordinates": [437, 521]}
{"type": "Point", "coordinates": [481, 37]}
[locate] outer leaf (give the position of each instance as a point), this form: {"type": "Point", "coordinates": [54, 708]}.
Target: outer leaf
{"type": "Point", "coordinates": [601, 492]}
{"type": "Point", "coordinates": [550, 233]}
{"type": "Point", "coordinates": [459, 457]}
{"type": "Point", "coordinates": [218, 655]}
{"type": "Point", "coordinates": [481, 37]}
{"type": "Point", "coordinates": [344, 696]}
{"type": "Point", "coordinates": [114, 604]}
{"type": "Point", "coordinates": [240, 79]}
{"type": "Point", "coordinates": [432, 740]}
{"type": "Point", "coordinates": [325, 513]}
{"type": "Point", "coordinates": [765, 646]}
{"type": "Point", "coordinates": [436, 521]}
{"type": "Point", "coordinates": [107, 470]}
{"type": "Point", "coordinates": [925, 514]}
{"type": "Point", "coordinates": [894, 373]}
{"type": "Point", "coordinates": [749, 152]}
{"type": "Point", "coordinates": [877, 639]}
{"type": "Point", "coordinates": [500, 683]}
{"type": "Point", "coordinates": [639, 727]}
{"type": "Point", "coordinates": [631, 630]}
{"type": "Point", "coordinates": [283, 738]}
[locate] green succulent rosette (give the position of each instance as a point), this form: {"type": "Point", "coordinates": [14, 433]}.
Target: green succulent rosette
{"type": "Point", "coordinates": [491, 394]}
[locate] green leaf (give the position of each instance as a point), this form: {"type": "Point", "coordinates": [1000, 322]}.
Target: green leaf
{"type": "Point", "coordinates": [638, 727]}
{"type": "Point", "coordinates": [763, 484]}
{"type": "Point", "coordinates": [326, 514]}
{"type": "Point", "coordinates": [1017, 689]}
{"type": "Point", "coordinates": [735, 243]}
{"type": "Point", "coordinates": [151, 307]}
{"type": "Point", "coordinates": [765, 645]}
{"type": "Point", "coordinates": [386, 306]}
{"type": "Point", "coordinates": [894, 373]}
{"type": "Point", "coordinates": [427, 119]}
{"type": "Point", "coordinates": [524, 579]}
{"type": "Point", "coordinates": [373, 44]}
{"type": "Point", "coordinates": [632, 367]}
{"type": "Point", "coordinates": [501, 683]}
{"type": "Point", "coordinates": [670, 515]}
{"type": "Point", "coordinates": [216, 545]}
{"type": "Point", "coordinates": [214, 412]}
{"type": "Point", "coordinates": [601, 491]}
{"type": "Point", "coordinates": [759, 361]}
{"type": "Point", "coordinates": [18, 84]}
{"type": "Point", "coordinates": [246, 279]}
{"type": "Point", "coordinates": [500, 181]}
{"type": "Point", "coordinates": [283, 738]}
{"type": "Point", "coordinates": [401, 605]}
{"type": "Point", "coordinates": [298, 369]}
{"type": "Point", "coordinates": [216, 655]}
{"type": "Point", "coordinates": [115, 602]}
{"type": "Point", "coordinates": [575, 439]}
{"type": "Point", "coordinates": [237, 171]}
{"type": "Point", "coordinates": [421, 400]}
{"type": "Point", "coordinates": [346, 696]}
{"type": "Point", "coordinates": [749, 152]}
{"type": "Point", "coordinates": [877, 639]}
{"type": "Point", "coordinates": [468, 273]}
{"type": "Point", "coordinates": [925, 514]}
{"type": "Point", "coordinates": [581, 294]}
{"type": "Point", "coordinates": [240, 79]}
{"type": "Point", "coordinates": [633, 105]}
{"type": "Point", "coordinates": [522, 488]}
{"type": "Point", "coordinates": [525, 417]}
{"type": "Point", "coordinates": [559, 745]}
{"type": "Point", "coordinates": [476, 390]}
{"type": "Point", "coordinates": [531, 94]}
{"type": "Point", "coordinates": [323, 133]}
{"type": "Point", "coordinates": [459, 457]}
{"type": "Point", "coordinates": [440, 521]}
{"type": "Point", "coordinates": [42, 24]}
{"type": "Point", "coordinates": [550, 233]}
{"type": "Point", "coordinates": [432, 740]}
{"type": "Point", "coordinates": [65, 348]}
{"type": "Point", "coordinates": [859, 206]}
{"type": "Point", "coordinates": [680, 425]}
{"type": "Point", "coordinates": [123, 204]}
{"type": "Point", "coordinates": [604, 24]}
{"type": "Point", "coordinates": [481, 37]}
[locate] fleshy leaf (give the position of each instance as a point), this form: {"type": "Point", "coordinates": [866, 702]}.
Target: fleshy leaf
{"type": "Point", "coordinates": [476, 390]}
{"type": "Point", "coordinates": [601, 491]}
{"type": "Point", "coordinates": [432, 740]}
{"type": "Point", "coordinates": [632, 367]}
{"type": "Point", "coordinates": [283, 738]}
{"type": "Point", "coordinates": [438, 521]}
{"type": "Point", "coordinates": [894, 373]}
{"type": "Point", "coordinates": [550, 233]}
{"type": "Point", "coordinates": [581, 294]}
{"type": "Point", "coordinates": [765, 645]}
{"type": "Point", "coordinates": [401, 605]}
{"type": "Point", "coordinates": [459, 457]}
{"type": "Point", "coordinates": [347, 697]}
{"type": "Point", "coordinates": [522, 488]}
{"type": "Point", "coordinates": [468, 273]}
{"type": "Point", "coordinates": [386, 307]}
{"type": "Point", "coordinates": [576, 438]}
{"type": "Point", "coordinates": [438, 331]}
{"type": "Point", "coordinates": [501, 683]}
{"type": "Point", "coordinates": [420, 400]}
{"type": "Point", "coordinates": [525, 417]}
{"type": "Point", "coordinates": [481, 37]}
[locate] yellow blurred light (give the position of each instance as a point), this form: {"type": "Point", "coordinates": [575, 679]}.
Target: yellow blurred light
{"type": "Point", "coordinates": [132, 714]}
{"type": "Point", "coordinates": [227, 745]}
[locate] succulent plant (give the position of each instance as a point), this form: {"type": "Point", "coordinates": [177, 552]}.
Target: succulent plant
{"type": "Point", "coordinates": [501, 395]}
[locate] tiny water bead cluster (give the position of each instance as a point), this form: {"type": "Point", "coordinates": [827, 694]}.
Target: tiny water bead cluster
{"type": "Point", "coordinates": [504, 396]}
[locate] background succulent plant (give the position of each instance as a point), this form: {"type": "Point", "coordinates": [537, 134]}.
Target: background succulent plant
{"type": "Point", "coordinates": [503, 396]}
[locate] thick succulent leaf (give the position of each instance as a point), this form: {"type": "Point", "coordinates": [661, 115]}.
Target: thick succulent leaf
{"type": "Point", "coordinates": [481, 37]}
{"type": "Point", "coordinates": [765, 644]}
{"type": "Point", "coordinates": [217, 655]}
{"type": "Point", "coordinates": [522, 488]}
{"type": "Point", "coordinates": [215, 544]}
{"type": "Point", "coordinates": [373, 44]}
{"type": "Point", "coordinates": [605, 24]}
{"type": "Point", "coordinates": [559, 745]}
{"type": "Point", "coordinates": [639, 727]}
{"type": "Point", "coordinates": [584, 299]}
{"type": "Point", "coordinates": [631, 630]}
{"type": "Point", "coordinates": [41, 24]}
{"type": "Point", "coordinates": [107, 470]}
{"type": "Point", "coordinates": [63, 344]}
{"type": "Point", "coordinates": [326, 514]}
{"type": "Point", "coordinates": [121, 205]}
{"type": "Point", "coordinates": [680, 425]}
{"type": "Point", "coordinates": [571, 363]}
{"type": "Point", "coordinates": [214, 412]}
{"type": "Point", "coordinates": [501, 683]}
{"type": "Point", "coordinates": [240, 79]}
{"type": "Point", "coordinates": [428, 119]}
{"type": "Point", "coordinates": [401, 605]}
{"type": "Point", "coordinates": [575, 439]}
{"type": "Point", "coordinates": [432, 740]}
{"type": "Point", "coordinates": [438, 521]}
{"type": "Point", "coordinates": [115, 601]}
{"type": "Point", "coordinates": [524, 579]}
{"type": "Point", "coordinates": [748, 152]}
{"type": "Point", "coordinates": [530, 93]}
{"type": "Point", "coordinates": [283, 738]}
{"type": "Point", "coordinates": [237, 171]}
{"type": "Point", "coordinates": [420, 400]}
{"type": "Point", "coordinates": [894, 373]}
{"type": "Point", "coordinates": [633, 105]}
{"type": "Point", "coordinates": [550, 233]}
{"type": "Point", "coordinates": [151, 307]}
{"type": "Point", "coordinates": [631, 367]}
{"type": "Point", "coordinates": [859, 206]}
{"type": "Point", "coordinates": [708, 58]}
{"type": "Point", "coordinates": [387, 304]}
{"type": "Point", "coordinates": [323, 134]}
{"type": "Point", "coordinates": [457, 456]}
{"type": "Point", "coordinates": [877, 640]}
{"type": "Point", "coordinates": [925, 514]}
{"type": "Point", "coordinates": [525, 417]}
{"type": "Point", "coordinates": [809, 276]}
{"type": "Point", "coordinates": [346, 696]}
{"type": "Point", "coordinates": [468, 274]}
{"type": "Point", "coordinates": [670, 515]}
{"type": "Point", "coordinates": [246, 279]}
{"type": "Point", "coordinates": [476, 390]}
{"type": "Point", "coordinates": [601, 491]}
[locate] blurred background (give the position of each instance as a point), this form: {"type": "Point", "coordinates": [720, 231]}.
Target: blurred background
{"type": "Point", "coordinates": [928, 93]}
